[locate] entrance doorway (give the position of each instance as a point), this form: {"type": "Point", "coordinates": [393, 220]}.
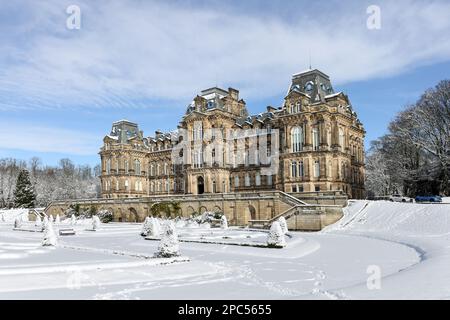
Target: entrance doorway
{"type": "Point", "coordinates": [200, 185]}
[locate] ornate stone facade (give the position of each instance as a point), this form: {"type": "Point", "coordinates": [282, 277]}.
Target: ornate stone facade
{"type": "Point", "coordinates": [313, 142]}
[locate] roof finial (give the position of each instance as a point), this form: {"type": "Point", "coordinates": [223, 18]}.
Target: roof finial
{"type": "Point", "coordinates": [310, 67]}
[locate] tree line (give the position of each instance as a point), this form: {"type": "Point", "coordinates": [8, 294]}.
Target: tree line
{"type": "Point", "coordinates": [413, 158]}
{"type": "Point", "coordinates": [64, 181]}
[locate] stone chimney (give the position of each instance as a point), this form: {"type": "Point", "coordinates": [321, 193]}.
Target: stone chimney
{"type": "Point", "coordinates": [234, 94]}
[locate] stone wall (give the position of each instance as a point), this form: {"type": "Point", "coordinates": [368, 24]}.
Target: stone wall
{"type": "Point", "coordinates": [239, 208]}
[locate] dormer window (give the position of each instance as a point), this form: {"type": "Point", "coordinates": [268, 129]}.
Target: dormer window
{"type": "Point", "coordinates": [309, 86]}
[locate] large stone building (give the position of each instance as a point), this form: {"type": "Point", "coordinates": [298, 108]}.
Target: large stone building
{"type": "Point", "coordinates": [314, 142]}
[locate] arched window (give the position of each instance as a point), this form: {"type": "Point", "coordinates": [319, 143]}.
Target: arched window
{"type": "Point", "coordinates": [137, 167]}
{"type": "Point", "coordinates": [258, 179]}
{"type": "Point", "coordinates": [198, 131]}
{"type": "Point", "coordinates": [166, 171]}
{"type": "Point", "coordinates": [297, 139]}
{"type": "Point", "coordinates": [236, 181]}
{"type": "Point", "coordinates": [152, 187]}
{"type": "Point", "coordinates": [158, 169]}
{"type": "Point", "coordinates": [117, 185]}
{"type": "Point", "coordinates": [126, 185]}
{"type": "Point", "coordinates": [214, 187]}
{"type": "Point", "coordinates": [136, 186]}
{"type": "Point", "coordinates": [316, 169]}
{"type": "Point", "coordinates": [316, 139]}
{"type": "Point", "coordinates": [126, 166]}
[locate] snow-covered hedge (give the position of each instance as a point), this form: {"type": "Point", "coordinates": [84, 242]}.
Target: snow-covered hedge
{"type": "Point", "coordinates": [49, 235]}
{"type": "Point", "coordinates": [95, 223]}
{"type": "Point", "coordinates": [169, 245]}
{"type": "Point", "coordinates": [105, 216]}
{"type": "Point", "coordinates": [283, 225]}
{"type": "Point", "coordinates": [276, 238]}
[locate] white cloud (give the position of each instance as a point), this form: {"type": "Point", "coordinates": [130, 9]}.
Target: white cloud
{"type": "Point", "coordinates": [128, 53]}
{"type": "Point", "coordinates": [29, 137]}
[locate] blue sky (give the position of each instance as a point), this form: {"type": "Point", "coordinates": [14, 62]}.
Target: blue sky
{"type": "Point", "coordinates": [61, 89]}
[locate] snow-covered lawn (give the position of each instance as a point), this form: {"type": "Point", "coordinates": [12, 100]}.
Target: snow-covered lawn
{"type": "Point", "coordinates": [409, 243]}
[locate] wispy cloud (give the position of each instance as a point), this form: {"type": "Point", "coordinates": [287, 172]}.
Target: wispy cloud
{"type": "Point", "coordinates": [29, 137]}
{"type": "Point", "coordinates": [134, 52]}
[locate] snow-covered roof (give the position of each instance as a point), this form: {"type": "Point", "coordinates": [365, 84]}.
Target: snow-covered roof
{"type": "Point", "coordinates": [333, 95]}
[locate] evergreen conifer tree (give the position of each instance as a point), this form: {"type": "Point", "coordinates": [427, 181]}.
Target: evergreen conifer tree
{"type": "Point", "coordinates": [24, 194]}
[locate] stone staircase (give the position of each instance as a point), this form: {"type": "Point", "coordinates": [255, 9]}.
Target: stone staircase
{"type": "Point", "coordinates": [300, 216]}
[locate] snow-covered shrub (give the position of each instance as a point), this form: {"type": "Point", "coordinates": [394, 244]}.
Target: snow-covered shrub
{"type": "Point", "coordinates": [169, 245]}
{"type": "Point", "coordinates": [18, 223]}
{"type": "Point", "coordinates": [224, 222]}
{"type": "Point", "coordinates": [45, 222]}
{"type": "Point", "coordinates": [283, 225]}
{"type": "Point", "coordinates": [49, 235]}
{"type": "Point", "coordinates": [95, 222]}
{"type": "Point", "coordinates": [153, 229]}
{"type": "Point", "coordinates": [105, 216]}
{"type": "Point", "coordinates": [57, 219]}
{"type": "Point", "coordinates": [146, 227]}
{"type": "Point", "coordinates": [180, 223]}
{"type": "Point", "coordinates": [38, 222]}
{"type": "Point", "coordinates": [157, 228]}
{"type": "Point", "coordinates": [276, 236]}
{"type": "Point", "coordinates": [73, 220]}
{"type": "Point", "coordinates": [206, 225]}
{"type": "Point", "coordinates": [3, 218]}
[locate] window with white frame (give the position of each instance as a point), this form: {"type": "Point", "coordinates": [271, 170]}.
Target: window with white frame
{"type": "Point", "coordinates": [316, 139]}
{"type": "Point", "coordinates": [316, 169]}
{"type": "Point", "coordinates": [108, 166]}
{"type": "Point", "coordinates": [247, 180]}
{"type": "Point", "coordinates": [297, 139]}
{"type": "Point", "coordinates": [198, 131]}
{"type": "Point", "coordinates": [152, 170]}
{"type": "Point", "coordinates": [137, 167]}
{"type": "Point", "coordinates": [294, 169]}
{"type": "Point", "coordinates": [341, 138]}
{"type": "Point", "coordinates": [301, 169]}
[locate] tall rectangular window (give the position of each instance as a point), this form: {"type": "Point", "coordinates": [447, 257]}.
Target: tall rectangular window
{"type": "Point", "coordinates": [316, 139]}
{"type": "Point", "coordinates": [294, 169]}
{"type": "Point", "coordinates": [316, 169]}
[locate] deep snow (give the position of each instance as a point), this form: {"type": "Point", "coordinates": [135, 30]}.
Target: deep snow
{"type": "Point", "coordinates": [409, 243]}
